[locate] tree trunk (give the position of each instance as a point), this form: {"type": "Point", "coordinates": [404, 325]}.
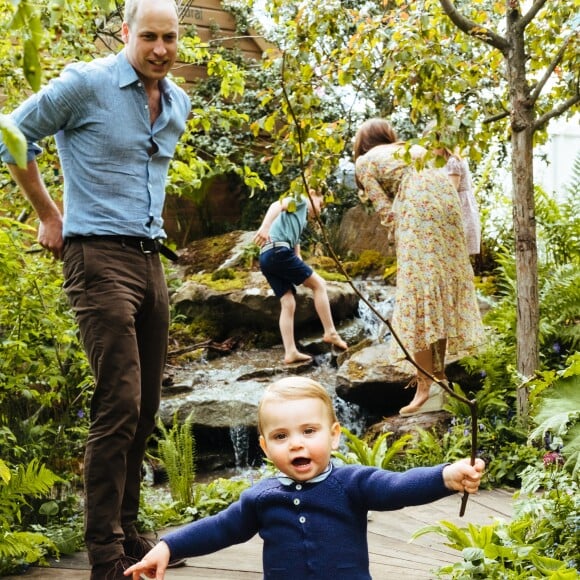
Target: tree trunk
{"type": "Point", "coordinates": [522, 118]}
{"type": "Point", "coordinates": [526, 262]}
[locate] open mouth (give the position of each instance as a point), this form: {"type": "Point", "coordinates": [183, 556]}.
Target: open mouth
{"type": "Point", "coordinates": [301, 461]}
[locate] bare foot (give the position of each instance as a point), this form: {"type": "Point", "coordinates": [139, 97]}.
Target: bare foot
{"type": "Point", "coordinates": [296, 357]}
{"type": "Point", "coordinates": [334, 339]}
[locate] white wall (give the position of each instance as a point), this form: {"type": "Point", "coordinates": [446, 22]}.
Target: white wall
{"type": "Point", "coordinates": [562, 149]}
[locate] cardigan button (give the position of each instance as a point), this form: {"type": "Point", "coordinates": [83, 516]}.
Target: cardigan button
{"type": "Point", "coordinates": [301, 519]}
{"type": "Point", "coordinates": [296, 501]}
{"type": "Point", "coordinates": [298, 486]}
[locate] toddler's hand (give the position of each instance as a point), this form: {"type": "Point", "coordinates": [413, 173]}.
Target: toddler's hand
{"type": "Point", "coordinates": [153, 564]}
{"type": "Point", "coordinates": [462, 476]}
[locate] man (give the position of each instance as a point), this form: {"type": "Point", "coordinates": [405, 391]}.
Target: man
{"type": "Point", "coordinates": [117, 121]}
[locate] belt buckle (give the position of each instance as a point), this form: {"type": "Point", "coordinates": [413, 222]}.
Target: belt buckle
{"type": "Point", "coordinates": [148, 246]}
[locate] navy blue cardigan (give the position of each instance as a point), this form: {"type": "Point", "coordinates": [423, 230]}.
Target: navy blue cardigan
{"type": "Point", "coordinates": [311, 530]}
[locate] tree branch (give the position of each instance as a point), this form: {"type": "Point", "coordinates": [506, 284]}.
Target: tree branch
{"type": "Point", "coordinates": [530, 15]}
{"type": "Point", "coordinates": [557, 59]}
{"type": "Point", "coordinates": [555, 112]}
{"type": "Point", "coordinates": [472, 28]}
{"type": "Point", "coordinates": [496, 117]}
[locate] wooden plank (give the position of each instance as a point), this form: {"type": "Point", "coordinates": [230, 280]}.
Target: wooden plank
{"type": "Point", "coordinates": [208, 18]}
{"type": "Point", "coordinates": [213, 4]}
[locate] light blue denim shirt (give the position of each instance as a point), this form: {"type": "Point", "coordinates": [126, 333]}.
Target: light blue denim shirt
{"type": "Point", "coordinates": [114, 161]}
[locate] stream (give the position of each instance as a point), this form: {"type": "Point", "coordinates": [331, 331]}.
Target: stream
{"type": "Point", "coordinates": [222, 393]}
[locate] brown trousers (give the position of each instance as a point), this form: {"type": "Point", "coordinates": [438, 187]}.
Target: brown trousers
{"type": "Point", "coordinates": [119, 297]}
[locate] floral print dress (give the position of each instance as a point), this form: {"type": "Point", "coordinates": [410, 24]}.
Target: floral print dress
{"type": "Point", "coordinates": [435, 296]}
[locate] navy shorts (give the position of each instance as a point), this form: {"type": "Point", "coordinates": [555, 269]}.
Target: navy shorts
{"type": "Point", "coordinates": [284, 270]}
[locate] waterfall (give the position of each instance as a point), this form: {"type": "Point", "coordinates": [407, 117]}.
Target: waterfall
{"type": "Point", "coordinates": [240, 436]}
{"type": "Point", "coordinates": [383, 301]}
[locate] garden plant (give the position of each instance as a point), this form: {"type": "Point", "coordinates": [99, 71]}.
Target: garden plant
{"type": "Point", "coordinates": [262, 124]}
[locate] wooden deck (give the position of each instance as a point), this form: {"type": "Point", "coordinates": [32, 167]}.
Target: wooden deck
{"type": "Point", "coordinates": [391, 554]}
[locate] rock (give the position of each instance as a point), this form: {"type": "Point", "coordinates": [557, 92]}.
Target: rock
{"type": "Point", "coordinates": [364, 378]}
{"type": "Point", "coordinates": [399, 426]}
{"type": "Point", "coordinates": [360, 231]}
{"type": "Point", "coordinates": [256, 308]}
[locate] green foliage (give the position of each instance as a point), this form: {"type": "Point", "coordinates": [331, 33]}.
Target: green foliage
{"type": "Point", "coordinates": [341, 62]}
{"type": "Point", "coordinates": [559, 226]}
{"type": "Point", "coordinates": [540, 542]}
{"type": "Point", "coordinates": [44, 376]}
{"type": "Point", "coordinates": [380, 454]}
{"type": "Point", "coordinates": [19, 547]}
{"type": "Point", "coordinates": [543, 537]}
{"type": "Point", "coordinates": [13, 139]}
{"type": "Point", "coordinates": [556, 401]}
{"type": "Point", "coordinates": [501, 439]}
{"type": "Point", "coordinates": [368, 261]}
{"type": "Point", "coordinates": [157, 511]}
{"type": "Point", "coordinates": [223, 274]}
{"type": "Point", "coordinates": [559, 293]}
{"type": "Point", "coordinates": [177, 452]}
{"type": "Point", "coordinates": [215, 496]}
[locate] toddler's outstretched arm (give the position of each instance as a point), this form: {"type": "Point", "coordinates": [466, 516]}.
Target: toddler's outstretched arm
{"type": "Point", "coordinates": [153, 564]}
{"type": "Point", "coordinates": [462, 476]}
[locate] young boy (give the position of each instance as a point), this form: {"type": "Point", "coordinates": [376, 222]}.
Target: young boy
{"type": "Point", "coordinates": [282, 265]}
{"type": "Point", "coordinates": [313, 515]}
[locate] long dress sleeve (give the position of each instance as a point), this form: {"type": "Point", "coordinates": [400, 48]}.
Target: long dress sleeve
{"type": "Point", "coordinates": [372, 191]}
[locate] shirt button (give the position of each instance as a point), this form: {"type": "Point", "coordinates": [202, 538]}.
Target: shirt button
{"type": "Point", "coordinates": [296, 501]}
{"type": "Point", "coordinates": [298, 487]}
{"type": "Point", "coordinates": [301, 519]}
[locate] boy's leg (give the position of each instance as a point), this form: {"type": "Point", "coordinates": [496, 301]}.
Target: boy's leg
{"type": "Point", "coordinates": [322, 306]}
{"type": "Point", "coordinates": [287, 310]}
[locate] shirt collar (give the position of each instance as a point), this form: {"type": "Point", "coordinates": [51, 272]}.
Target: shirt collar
{"type": "Point", "coordinates": [285, 480]}
{"type": "Point", "coordinates": [128, 75]}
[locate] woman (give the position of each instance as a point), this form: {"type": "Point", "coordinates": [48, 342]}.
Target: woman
{"type": "Point", "coordinates": [436, 310]}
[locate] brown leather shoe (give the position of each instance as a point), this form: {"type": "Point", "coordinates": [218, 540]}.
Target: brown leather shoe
{"type": "Point", "coordinates": [138, 546]}
{"type": "Point", "coordinates": [112, 570]}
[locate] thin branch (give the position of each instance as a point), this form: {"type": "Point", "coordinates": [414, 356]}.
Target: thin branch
{"type": "Point", "coordinates": [556, 111]}
{"type": "Point", "coordinates": [473, 411]}
{"type": "Point", "coordinates": [530, 15]}
{"type": "Point", "coordinates": [551, 67]}
{"type": "Point", "coordinates": [472, 404]}
{"type": "Point", "coordinates": [497, 117]}
{"type": "Point", "coordinates": [472, 28]}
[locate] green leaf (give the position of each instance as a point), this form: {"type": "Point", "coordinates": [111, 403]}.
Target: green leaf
{"type": "Point", "coordinates": [31, 64]}
{"type": "Point", "coordinates": [4, 472]}
{"type": "Point", "coordinates": [14, 140]}
{"type": "Point", "coordinates": [276, 166]}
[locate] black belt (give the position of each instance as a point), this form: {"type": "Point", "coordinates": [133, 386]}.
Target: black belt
{"type": "Point", "coordinates": [145, 245]}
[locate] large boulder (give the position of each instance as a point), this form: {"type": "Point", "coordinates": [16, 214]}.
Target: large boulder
{"type": "Point", "coordinates": [256, 308]}
{"type": "Point", "coordinates": [360, 230]}
{"type": "Point", "coordinates": [364, 378]}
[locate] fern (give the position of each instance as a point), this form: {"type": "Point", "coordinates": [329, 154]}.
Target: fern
{"type": "Point", "coordinates": [379, 455]}
{"type": "Point", "coordinates": [34, 480]}
{"type": "Point", "coordinates": [177, 453]}
{"type": "Point", "coordinates": [560, 306]}
{"type": "Point", "coordinates": [17, 547]}
{"type": "Point", "coordinates": [558, 227]}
